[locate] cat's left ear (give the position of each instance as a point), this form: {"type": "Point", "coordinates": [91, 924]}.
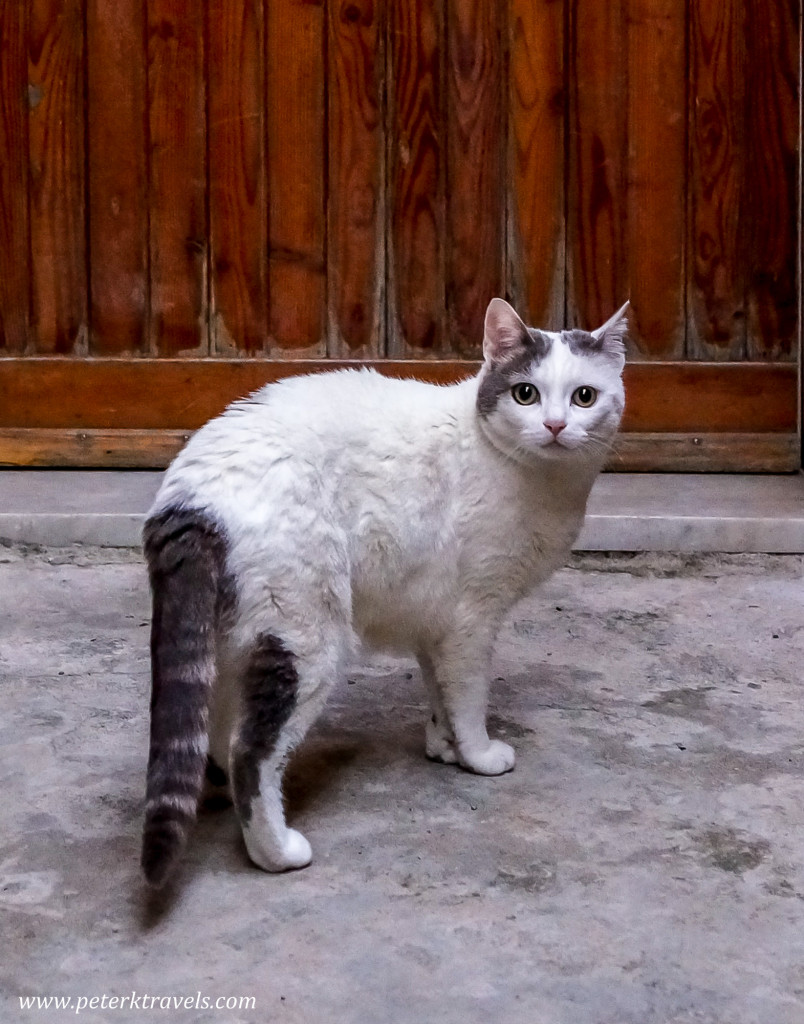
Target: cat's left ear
{"type": "Point", "coordinates": [611, 336]}
{"type": "Point", "coordinates": [504, 332]}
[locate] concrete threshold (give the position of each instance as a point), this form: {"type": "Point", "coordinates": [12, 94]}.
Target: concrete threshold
{"type": "Point", "coordinates": [627, 511]}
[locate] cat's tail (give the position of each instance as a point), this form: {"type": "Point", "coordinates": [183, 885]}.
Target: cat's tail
{"type": "Point", "coordinates": [186, 555]}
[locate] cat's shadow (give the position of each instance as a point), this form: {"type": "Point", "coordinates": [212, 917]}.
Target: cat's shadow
{"type": "Point", "coordinates": [320, 770]}
{"type": "Point", "coordinates": [317, 770]}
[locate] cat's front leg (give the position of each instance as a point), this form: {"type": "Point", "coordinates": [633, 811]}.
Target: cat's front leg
{"type": "Point", "coordinates": [462, 672]}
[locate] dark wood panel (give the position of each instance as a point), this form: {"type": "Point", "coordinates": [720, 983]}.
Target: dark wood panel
{"type": "Point", "coordinates": [416, 269]}
{"type": "Point", "coordinates": [297, 149]}
{"type": "Point", "coordinates": [177, 183]}
{"type": "Point", "coordinates": [118, 176]}
{"type": "Point", "coordinates": [238, 201]}
{"type": "Point", "coordinates": [597, 272]}
{"type": "Point", "coordinates": [475, 160]}
{"type": "Point", "coordinates": [56, 161]}
{"type": "Point", "coordinates": [91, 448]}
{"type": "Point", "coordinates": [657, 171]}
{"type": "Point", "coordinates": [772, 186]}
{"type": "Point", "coordinates": [536, 181]}
{"type": "Point", "coordinates": [356, 175]}
{"type": "Point", "coordinates": [179, 393]}
{"type": "Point", "coordinates": [15, 241]}
{"type": "Point", "coordinates": [634, 453]}
{"type": "Point", "coordinates": [716, 280]}
{"type": "Point", "coordinates": [706, 453]}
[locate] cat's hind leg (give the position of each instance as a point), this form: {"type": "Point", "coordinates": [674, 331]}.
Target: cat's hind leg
{"type": "Point", "coordinates": [283, 692]}
{"type": "Point", "coordinates": [222, 719]}
{"type": "Point", "coordinates": [439, 737]}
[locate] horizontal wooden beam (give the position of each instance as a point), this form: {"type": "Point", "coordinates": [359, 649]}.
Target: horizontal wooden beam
{"type": "Point", "coordinates": [179, 394]}
{"type": "Point", "coordinates": [633, 453]}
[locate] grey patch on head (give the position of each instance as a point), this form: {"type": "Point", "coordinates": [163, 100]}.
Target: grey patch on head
{"type": "Point", "coordinates": [502, 375]}
{"type": "Point", "coordinates": [270, 690]}
{"type": "Point", "coordinates": [582, 343]}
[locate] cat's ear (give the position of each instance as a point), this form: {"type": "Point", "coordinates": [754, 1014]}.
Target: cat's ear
{"type": "Point", "coordinates": [504, 332]}
{"type": "Point", "coordinates": [611, 336]}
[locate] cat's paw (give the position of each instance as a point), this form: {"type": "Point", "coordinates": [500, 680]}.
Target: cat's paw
{"type": "Point", "coordinates": [295, 852]}
{"type": "Point", "coordinates": [495, 759]}
{"type": "Point", "coordinates": [439, 744]}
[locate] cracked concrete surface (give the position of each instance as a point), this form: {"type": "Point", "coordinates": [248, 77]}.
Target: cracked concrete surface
{"type": "Point", "coordinates": [644, 863]}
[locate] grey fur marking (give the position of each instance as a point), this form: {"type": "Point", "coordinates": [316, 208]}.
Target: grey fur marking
{"type": "Point", "coordinates": [582, 343]}
{"type": "Point", "coordinates": [186, 554]}
{"type": "Point", "coordinates": [270, 691]}
{"type": "Point", "coordinates": [501, 376]}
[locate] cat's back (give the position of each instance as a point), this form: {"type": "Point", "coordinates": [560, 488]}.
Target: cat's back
{"type": "Point", "coordinates": [345, 424]}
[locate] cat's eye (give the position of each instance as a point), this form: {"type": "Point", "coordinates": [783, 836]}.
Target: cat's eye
{"type": "Point", "coordinates": [585, 397]}
{"type": "Point", "coordinates": [525, 394]}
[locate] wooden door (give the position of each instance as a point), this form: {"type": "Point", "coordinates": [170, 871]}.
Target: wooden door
{"type": "Point", "coordinates": [199, 197]}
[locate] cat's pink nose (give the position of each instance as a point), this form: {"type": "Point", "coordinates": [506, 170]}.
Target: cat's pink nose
{"type": "Point", "coordinates": [555, 426]}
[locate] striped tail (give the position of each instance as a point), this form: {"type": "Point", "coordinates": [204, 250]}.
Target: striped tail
{"type": "Point", "coordinates": [186, 555]}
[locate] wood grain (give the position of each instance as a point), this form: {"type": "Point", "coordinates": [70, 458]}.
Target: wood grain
{"type": "Point", "coordinates": [706, 453]}
{"type": "Point", "coordinates": [238, 199]}
{"type": "Point", "coordinates": [716, 276]}
{"type": "Point", "coordinates": [177, 176]}
{"type": "Point", "coordinates": [118, 176]}
{"type": "Point", "coordinates": [184, 393]}
{"type": "Point", "coordinates": [656, 176]}
{"type": "Point", "coordinates": [634, 453]}
{"type": "Point", "coordinates": [297, 149]}
{"type": "Point", "coordinates": [772, 177]}
{"type": "Point", "coordinates": [416, 267]}
{"type": "Point", "coordinates": [598, 269]}
{"type": "Point", "coordinates": [356, 265]}
{"type": "Point", "coordinates": [56, 161]}
{"type": "Point", "coordinates": [475, 161]}
{"type": "Point", "coordinates": [536, 179]}
{"type": "Point", "coordinates": [14, 225]}
{"type": "Point", "coordinates": [107, 449]}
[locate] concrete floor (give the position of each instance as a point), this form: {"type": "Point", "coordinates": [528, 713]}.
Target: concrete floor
{"type": "Point", "coordinates": [644, 863]}
{"type": "Point", "coordinates": [627, 511]}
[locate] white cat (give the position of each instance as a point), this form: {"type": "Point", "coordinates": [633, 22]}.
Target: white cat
{"type": "Point", "coordinates": [345, 507]}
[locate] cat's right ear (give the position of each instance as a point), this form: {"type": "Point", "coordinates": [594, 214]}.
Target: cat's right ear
{"type": "Point", "coordinates": [504, 332]}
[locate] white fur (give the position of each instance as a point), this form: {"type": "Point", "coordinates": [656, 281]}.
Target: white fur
{"type": "Point", "coordinates": [365, 509]}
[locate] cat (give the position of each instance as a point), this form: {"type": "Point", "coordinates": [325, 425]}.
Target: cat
{"type": "Point", "coordinates": [345, 507]}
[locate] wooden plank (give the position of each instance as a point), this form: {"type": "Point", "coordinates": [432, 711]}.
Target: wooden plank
{"type": "Point", "coordinates": [118, 176]}
{"type": "Point", "coordinates": [416, 285]}
{"type": "Point", "coordinates": [297, 147]}
{"type": "Point", "coordinates": [238, 201]}
{"type": "Point", "coordinates": [657, 158]}
{"type": "Point", "coordinates": [536, 180]}
{"type": "Point", "coordinates": [475, 160]}
{"type": "Point", "coordinates": [56, 161]}
{"type": "Point", "coordinates": [184, 393]}
{"type": "Point", "coordinates": [634, 453]}
{"type": "Point", "coordinates": [597, 265]}
{"type": "Point", "coordinates": [706, 453]}
{"type": "Point", "coordinates": [356, 266]}
{"type": "Point", "coordinates": [716, 274]}
{"type": "Point", "coordinates": [14, 225]}
{"type": "Point", "coordinates": [772, 177]}
{"type": "Point", "coordinates": [177, 192]}
{"type": "Point", "coordinates": [109, 449]}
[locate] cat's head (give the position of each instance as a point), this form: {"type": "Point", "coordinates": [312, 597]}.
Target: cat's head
{"type": "Point", "coordinates": [551, 394]}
